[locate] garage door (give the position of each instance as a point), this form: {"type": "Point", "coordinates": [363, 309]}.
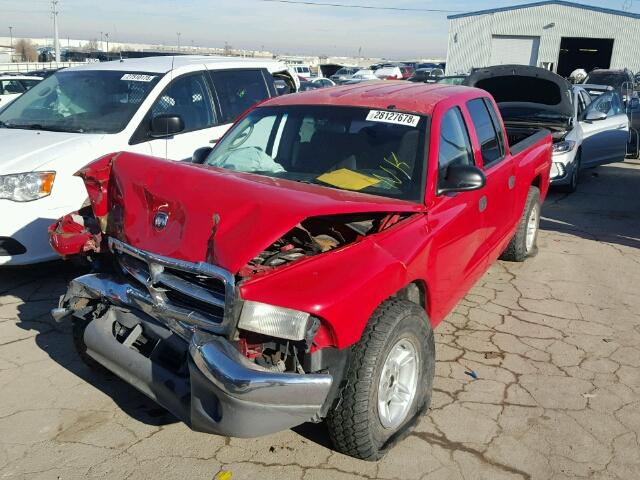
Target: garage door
{"type": "Point", "coordinates": [517, 50]}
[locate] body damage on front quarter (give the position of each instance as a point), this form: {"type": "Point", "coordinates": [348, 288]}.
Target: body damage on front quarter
{"type": "Point", "coordinates": [339, 253]}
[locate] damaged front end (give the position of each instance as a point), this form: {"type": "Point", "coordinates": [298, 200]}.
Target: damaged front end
{"type": "Point", "coordinates": [163, 307]}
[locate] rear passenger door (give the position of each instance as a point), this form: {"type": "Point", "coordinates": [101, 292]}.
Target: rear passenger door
{"type": "Point", "coordinates": [497, 201]}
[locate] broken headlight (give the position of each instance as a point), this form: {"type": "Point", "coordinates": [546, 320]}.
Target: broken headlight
{"type": "Point", "coordinates": [274, 321]}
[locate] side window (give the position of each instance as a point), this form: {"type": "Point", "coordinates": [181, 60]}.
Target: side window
{"type": "Point", "coordinates": [490, 143]}
{"type": "Point", "coordinates": [455, 146]}
{"type": "Point", "coordinates": [27, 84]}
{"type": "Point", "coordinates": [188, 97]}
{"type": "Point", "coordinates": [586, 97]}
{"type": "Point", "coordinates": [581, 104]}
{"type": "Point", "coordinates": [604, 103]}
{"type": "Point", "coordinates": [238, 90]}
{"type": "Point", "coordinates": [617, 104]}
{"type": "Point", "coordinates": [11, 87]}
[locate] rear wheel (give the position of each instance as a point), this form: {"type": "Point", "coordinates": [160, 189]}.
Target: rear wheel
{"type": "Point", "coordinates": [388, 384]}
{"type": "Point", "coordinates": [524, 242]}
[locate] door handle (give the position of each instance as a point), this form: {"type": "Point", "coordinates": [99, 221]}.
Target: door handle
{"type": "Point", "coordinates": [482, 204]}
{"type": "Point", "coordinates": [621, 127]}
{"type": "Point", "coordinates": [512, 182]}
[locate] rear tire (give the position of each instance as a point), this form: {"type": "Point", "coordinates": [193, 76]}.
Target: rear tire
{"type": "Point", "coordinates": [388, 383]}
{"type": "Point", "coordinates": [524, 242]}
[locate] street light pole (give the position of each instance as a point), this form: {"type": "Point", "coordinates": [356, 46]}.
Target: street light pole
{"type": "Point", "coordinates": [56, 40]}
{"type": "Point", "coordinates": [178, 34]}
{"type": "Point", "coordinates": [106, 36]}
{"type": "Point", "coordinates": [11, 36]}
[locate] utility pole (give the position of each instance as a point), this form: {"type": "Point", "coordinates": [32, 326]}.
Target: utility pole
{"type": "Point", "coordinates": [178, 34]}
{"type": "Point", "coordinates": [101, 43]}
{"type": "Point", "coordinates": [106, 36]}
{"type": "Point", "coordinates": [11, 36]}
{"type": "Point", "coordinates": [56, 40]}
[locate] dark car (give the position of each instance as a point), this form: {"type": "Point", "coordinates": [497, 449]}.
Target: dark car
{"type": "Point", "coordinates": [427, 75]}
{"type": "Point", "coordinates": [621, 80]}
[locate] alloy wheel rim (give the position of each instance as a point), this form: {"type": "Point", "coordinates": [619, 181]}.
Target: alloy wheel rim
{"type": "Point", "coordinates": [398, 383]}
{"type": "Point", "coordinates": [532, 228]}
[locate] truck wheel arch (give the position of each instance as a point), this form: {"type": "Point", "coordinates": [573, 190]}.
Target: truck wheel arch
{"type": "Point", "coordinates": [415, 292]}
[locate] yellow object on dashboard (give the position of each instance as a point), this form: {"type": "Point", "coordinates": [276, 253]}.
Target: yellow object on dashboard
{"type": "Point", "coordinates": [348, 179]}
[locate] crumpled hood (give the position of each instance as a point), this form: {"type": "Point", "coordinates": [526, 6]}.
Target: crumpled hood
{"type": "Point", "coordinates": [252, 211]}
{"type": "Point", "coordinates": [30, 150]}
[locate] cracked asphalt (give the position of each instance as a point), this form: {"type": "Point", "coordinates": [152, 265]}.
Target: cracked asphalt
{"type": "Point", "coordinates": [554, 343]}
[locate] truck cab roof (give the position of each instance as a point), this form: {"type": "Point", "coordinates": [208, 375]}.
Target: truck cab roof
{"type": "Point", "coordinates": [403, 96]}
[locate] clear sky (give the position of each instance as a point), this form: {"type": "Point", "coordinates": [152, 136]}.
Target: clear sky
{"type": "Point", "coordinates": [253, 24]}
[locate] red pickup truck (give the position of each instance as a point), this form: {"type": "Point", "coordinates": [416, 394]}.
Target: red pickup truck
{"type": "Point", "coordinates": [296, 271]}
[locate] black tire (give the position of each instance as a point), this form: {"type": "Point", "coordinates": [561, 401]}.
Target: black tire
{"type": "Point", "coordinates": [517, 250]}
{"type": "Point", "coordinates": [572, 186]}
{"type": "Point", "coordinates": [354, 424]}
{"type": "Point", "coordinates": [78, 327]}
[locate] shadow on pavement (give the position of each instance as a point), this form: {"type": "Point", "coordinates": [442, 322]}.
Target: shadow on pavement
{"type": "Point", "coordinates": [606, 206]}
{"type": "Point", "coordinates": [36, 289]}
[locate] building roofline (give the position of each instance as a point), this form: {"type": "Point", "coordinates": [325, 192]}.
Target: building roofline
{"type": "Point", "coordinates": [547, 2]}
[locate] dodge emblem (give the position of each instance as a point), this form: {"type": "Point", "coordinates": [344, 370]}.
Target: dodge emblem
{"type": "Point", "coordinates": [160, 220]}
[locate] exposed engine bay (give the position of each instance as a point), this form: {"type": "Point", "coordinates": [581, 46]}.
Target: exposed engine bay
{"type": "Point", "coordinates": [317, 235]}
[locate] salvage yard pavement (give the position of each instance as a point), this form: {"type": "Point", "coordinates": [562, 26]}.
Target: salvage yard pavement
{"type": "Point", "coordinates": [538, 376]}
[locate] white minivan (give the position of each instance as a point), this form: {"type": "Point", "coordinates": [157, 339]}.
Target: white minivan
{"type": "Point", "coordinates": [162, 106]}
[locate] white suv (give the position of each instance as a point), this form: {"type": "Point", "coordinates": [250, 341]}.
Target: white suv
{"type": "Point", "coordinates": [12, 86]}
{"type": "Point", "coordinates": [161, 106]}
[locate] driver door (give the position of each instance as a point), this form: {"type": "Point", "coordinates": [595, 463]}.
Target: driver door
{"type": "Point", "coordinates": [604, 140]}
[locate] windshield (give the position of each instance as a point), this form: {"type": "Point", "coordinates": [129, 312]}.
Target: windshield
{"type": "Point", "coordinates": [370, 151]}
{"type": "Point", "coordinates": [605, 78]}
{"type": "Point", "coordinates": [82, 101]}
{"type": "Point", "coordinates": [344, 71]}
{"type": "Point", "coordinates": [452, 80]}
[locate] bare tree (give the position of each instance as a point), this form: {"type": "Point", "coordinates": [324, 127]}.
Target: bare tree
{"type": "Point", "coordinates": [26, 50]}
{"type": "Point", "coordinates": [92, 45]}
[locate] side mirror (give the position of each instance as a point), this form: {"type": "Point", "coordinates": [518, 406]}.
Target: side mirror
{"type": "Point", "coordinates": [595, 115]}
{"type": "Point", "coordinates": [462, 178]}
{"type": "Point", "coordinates": [200, 155]}
{"type": "Point", "coordinates": [166, 125]}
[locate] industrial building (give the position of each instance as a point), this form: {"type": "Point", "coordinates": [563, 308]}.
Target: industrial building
{"type": "Point", "coordinates": [558, 35]}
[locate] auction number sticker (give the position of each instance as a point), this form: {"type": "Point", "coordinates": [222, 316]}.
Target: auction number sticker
{"type": "Point", "coordinates": [135, 77]}
{"type": "Point", "coordinates": [393, 117]}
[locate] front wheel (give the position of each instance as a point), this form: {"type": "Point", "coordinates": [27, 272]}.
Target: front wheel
{"type": "Point", "coordinates": [572, 186]}
{"type": "Point", "coordinates": [388, 384]}
{"type": "Point", "coordinates": [524, 242]}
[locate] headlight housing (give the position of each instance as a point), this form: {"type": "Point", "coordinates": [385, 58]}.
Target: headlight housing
{"type": "Point", "coordinates": [25, 187]}
{"type": "Point", "coordinates": [564, 146]}
{"type": "Point", "coordinates": [274, 321]}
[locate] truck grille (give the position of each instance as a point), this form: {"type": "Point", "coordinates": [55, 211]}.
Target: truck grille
{"type": "Point", "coordinates": [194, 294]}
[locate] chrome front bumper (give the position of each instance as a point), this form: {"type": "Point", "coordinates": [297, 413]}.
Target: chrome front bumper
{"type": "Point", "coordinates": [218, 390]}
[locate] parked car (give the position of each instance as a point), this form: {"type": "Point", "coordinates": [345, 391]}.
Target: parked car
{"type": "Point", "coordinates": [452, 79]}
{"type": "Point", "coordinates": [344, 74]}
{"type": "Point", "coordinates": [389, 73]}
{"type": "Point", "coordinates": [427, 75]}
{"type": "Point", "coordinates": [12, 86]}
{"type": "Point", "coordinates": [407, 72]}
{"type": "Point", "coordinates": [585, 133]}
{"type": "Point", "coordinates": [621, 80]}
{"type": "Point", "coordinates": [360, 76]}
{"type": "Point", "coordinates": [323, 82]}
{"type": "Point", "coordinates": [160, 106]}
{"type": "Point", "coordinates": [302, 71]}
{"type": "Point", "coordinates": [306, 260]}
